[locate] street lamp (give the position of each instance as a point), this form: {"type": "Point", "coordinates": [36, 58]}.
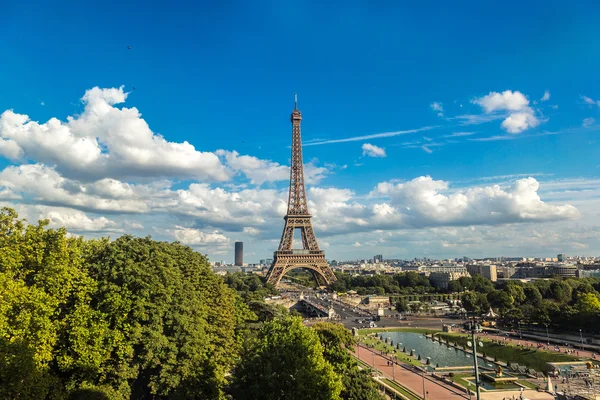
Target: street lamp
{"type": "Point", "coordinates": [520, 331]}
{"type": "Point", "coordinates": [581, 337]}
{"type": "Point", "coordinates": [423, 377]}
{"type": "Point", "coordinates": [474, 345]}
{"type": "Point", "coordinates": [547, 335]}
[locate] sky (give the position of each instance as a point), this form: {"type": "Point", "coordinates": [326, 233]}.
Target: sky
{"type": "Point", "coordinates": [431, 129]}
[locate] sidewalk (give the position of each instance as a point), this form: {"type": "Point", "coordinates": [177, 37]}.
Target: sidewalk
{"type": "Point", "coordinates": [435, 389]}
{"type": "Point", "coordinates": [413, 381]}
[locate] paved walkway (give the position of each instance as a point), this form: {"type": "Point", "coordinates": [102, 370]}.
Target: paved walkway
{"type": "Point", "coordinates": [434, 390]}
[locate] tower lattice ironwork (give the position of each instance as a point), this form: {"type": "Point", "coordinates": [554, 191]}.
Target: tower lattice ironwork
{"type": "Point", "coordinates": [298, 218]}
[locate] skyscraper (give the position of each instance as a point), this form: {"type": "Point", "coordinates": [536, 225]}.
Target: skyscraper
{"type": "Point", "coordinates": [239, 253]}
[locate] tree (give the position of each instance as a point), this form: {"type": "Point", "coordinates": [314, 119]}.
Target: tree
{"type": "Point", "coordinates": [172, 321]}
{"type": "Point", "coordinates": [475, 302]}
{"type": "Point", "coordinates": [455, 287]}
{"type": "Point", "coordinates": [501, 300]}
{"type": "Point", "coordinates": [285, 361]}
{"type": "Point", "coordinates": [533, 295]}
{"type": "Point", "coordinates": [561, 291]}
{"type": "Point", "coordinates": [337, 341]}
{"type": "Point", "coordinates": [402, 305]}
{"type": "Point", "coordinates": [588, 303]}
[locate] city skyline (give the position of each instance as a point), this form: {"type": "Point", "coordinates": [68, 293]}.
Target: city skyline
{"type": "Point", "coordinates": [180, 130]}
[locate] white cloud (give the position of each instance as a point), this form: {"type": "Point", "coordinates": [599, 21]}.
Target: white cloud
{"type": "Point", "coordinates": [546, 96]}
{"type": "Point", "coordinates": [195, 237]}
{"type": "Point", "coordinates": [427, 204]}
{"type": "Point", "coordinates": [435, 106]}
{"type": "Point", "coordinates": [520, 115]}
{"type": "Point", "coordinates": [77, 221]}
{"type": "Point", "coordinates": [587, 122]}
{"type": "Point", "coordinates": [590, 101]}
{"type": "Point", "coordinates": [426, 149]}
{"type": "Point", "coordinates": [459, 134]}
{"type": "Point", "coordinates": [251, 231]}
{"type": "Point", "coordinates": [368, 137]}
{"type": "Point", "coordinates": [104, 142]}
{"type": "Point", "coordinates": [518, 122]}
{"type": "Point", "coordinates": [372, 150]}
{"type": "Point", "coordinates": [42, 104]}
{"type": "Point", "coordinates": [356, 244]}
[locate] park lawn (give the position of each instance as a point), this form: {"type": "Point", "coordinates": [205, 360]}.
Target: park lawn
{"type": "Point", "coordinates": [366, 331]}
{"type": "Point", "coordinates": [527, 384]}
{"type": "Point", "coordinates": [459, 378]}
{"type": "Point", "coordinates": [382, 346]}
{"type": "Point", "coordinates": [400, 389]}
{"type": "Point", "coordinates": [528, 357]}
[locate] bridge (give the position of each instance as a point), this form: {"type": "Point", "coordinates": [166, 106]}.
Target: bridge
{"type": "Point", "coordinates": [315, 309]}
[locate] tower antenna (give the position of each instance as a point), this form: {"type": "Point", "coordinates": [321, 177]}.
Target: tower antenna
{"type": "Point", "coordinates": [295, 101]}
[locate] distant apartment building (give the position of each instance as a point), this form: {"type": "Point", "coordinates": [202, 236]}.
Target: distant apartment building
{"type": "Point", "coordinates": [561, 258]}
{"type": "Point", "coordinates": [565, 270]}
{"type": "Point", "coordinates": [440, 276]}
{"type": "Point", "coordinates": [377, 259]}
{"type": "Point", "coordinates": [486, 270]}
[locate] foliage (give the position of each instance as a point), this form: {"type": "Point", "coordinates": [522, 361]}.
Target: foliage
{"type": "Point", "coordinates": [402, 305]}
{"type": "Point", "coordinates": [337, 341]}
{"type": "Point", "coordinates": [129, 318]}
{"type": "Point", "coordinates": [285, 361]}
{"type": "Point", "coordinates": [401, 283]}
{"type": "Point", "coordinates": [250, 287]}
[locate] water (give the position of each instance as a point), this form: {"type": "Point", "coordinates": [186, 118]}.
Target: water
{"type": "Point", "coordinates": [439, 353]}
{"type": "Point", "coordinates": [487, 385]}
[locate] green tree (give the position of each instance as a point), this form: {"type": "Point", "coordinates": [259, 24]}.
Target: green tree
{"type": "Point", "coordinates": [402, 305]}
{"type": "Point", "coordinates": [475, 302]}
{"type": "Point", "coordinates": [172, 321]}
{"type": "Point", "coordinates": [285, 361]}
{"type": "Point", "coordinates": [501, 300]}
{"type": "Point", "coordinates": [561, 291]}
{"type": "Point", "coordinates": [455, 287]}
{"type": "Point", "coordinates": [337, 342]}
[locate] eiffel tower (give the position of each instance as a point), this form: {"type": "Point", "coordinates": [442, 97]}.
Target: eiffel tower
{"type": "Point", "coordinates": [297, 218]}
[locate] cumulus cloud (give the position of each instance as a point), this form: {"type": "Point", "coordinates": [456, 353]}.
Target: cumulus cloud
{"type": "Point", "coordinates": [520, 115]}
{"type": "Point", "coordinates": [371, 150]}
{"type": "Point", "coordinates": [104, 142]}
{"type": "Point", "coordinates": [195, 237]}
{"type": "Point", "coordinates": [423, 203]}
{"type": "Point", "coordinates": [77, 221]}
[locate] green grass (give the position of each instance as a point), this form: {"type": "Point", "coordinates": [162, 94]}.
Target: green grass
{"type": "Point", "coordinates": [401, 390]}
{"type": "Point", "coordinates": [528, 384]}
{"type": "Point", "coordinates": [362, 332]}
{"type": "Point", "coordinates": [459, 378]}
{"type": "Point", "coordinates": [381, 346]}
{"type": "Point", "coordinates": [531, 358]}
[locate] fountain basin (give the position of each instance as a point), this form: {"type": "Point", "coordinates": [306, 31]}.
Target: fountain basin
{"type": "Point", "coordinates": [504, 378]}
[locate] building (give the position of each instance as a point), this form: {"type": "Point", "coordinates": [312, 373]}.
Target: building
{"type": "Point", "coordinates": [561, 258]}
{"type": "Point", "coordinates": [239, 254]}
{"type": "Point", "coordinates": [440, 277]}
{"type": "Point", "coordinates": [378, 259]}
{"type": "Point", "coordinates": [564, 270]}
{"type": "Point", "coordinates": [486, 270]}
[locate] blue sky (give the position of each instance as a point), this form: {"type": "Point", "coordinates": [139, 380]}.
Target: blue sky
{"type": "Point", "coordinates": [486, 94]}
